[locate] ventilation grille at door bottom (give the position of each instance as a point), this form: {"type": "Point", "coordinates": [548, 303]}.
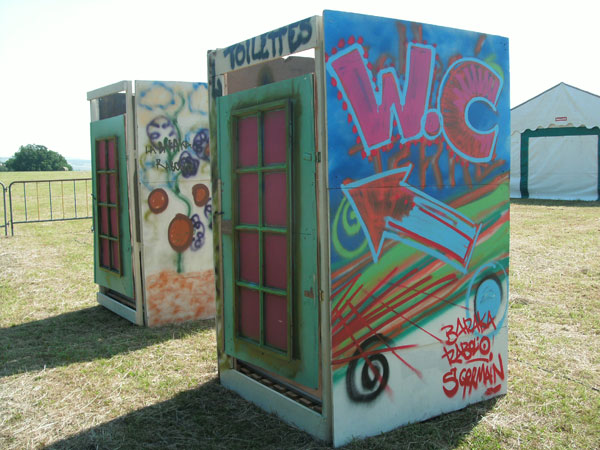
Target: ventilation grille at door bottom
{"type": "Point", "coordinates": [297, 396]}
{"type": "Point", "coordinates": [129, 302]}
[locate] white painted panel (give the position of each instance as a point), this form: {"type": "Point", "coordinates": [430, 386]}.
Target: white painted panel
{"type": "Point", "coordinates": [175, 200]}
{"type": "Point", "coordinates": [413, 396]}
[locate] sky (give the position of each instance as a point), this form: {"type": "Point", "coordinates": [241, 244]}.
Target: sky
{"type": "Point", "coordinates": [52, 52]}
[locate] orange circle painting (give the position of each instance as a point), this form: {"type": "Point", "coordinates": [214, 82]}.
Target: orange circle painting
{"type": "Point", "coordinates": [181, 233]}
{"type": "Point", "coordinates": [201, 194]}
{"type": "Point", "coordinates": [158, 200]}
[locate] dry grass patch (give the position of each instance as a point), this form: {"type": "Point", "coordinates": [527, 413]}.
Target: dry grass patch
{"type": "Point", "coordinates": [73, 375]}
{"type": "Point", "coordinates": [554, 337]}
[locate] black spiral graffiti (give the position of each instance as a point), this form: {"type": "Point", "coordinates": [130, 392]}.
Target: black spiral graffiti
{"type": "Point", "coordinates": [374, 372]}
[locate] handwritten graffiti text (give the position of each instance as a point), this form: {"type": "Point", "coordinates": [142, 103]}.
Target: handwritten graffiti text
{"type": "Point", "coordinates": [468, 325]}
{"type": "Point", "coordinates": [487, 373]}
{"type": "Point", "coordinates": [270, 45]}
{"type": "Point", "coordinates": [471, 361]}
{"type": "Point", "coordinates": [168, 145]}
{"type": "Point", "coordinates": [186, 164]}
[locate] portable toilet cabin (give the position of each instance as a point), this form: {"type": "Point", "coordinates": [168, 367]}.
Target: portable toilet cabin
{"type": "Point", "coordinates": [361, 221]}
{"type": "Point", "coordinates": [153, 256]}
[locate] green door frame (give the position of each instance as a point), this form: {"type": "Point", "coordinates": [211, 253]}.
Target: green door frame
{"type": "Point", "coordinates": [300, 362]}
{"type": "Point", "coordinates": [551, 132]}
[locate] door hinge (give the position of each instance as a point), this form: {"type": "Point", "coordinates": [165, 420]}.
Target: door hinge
{"type": "Point", "coordinates": [318, 157]}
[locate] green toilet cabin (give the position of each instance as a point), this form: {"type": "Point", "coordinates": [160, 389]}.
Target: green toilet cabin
{"type": "Point", "coordinates": [360, 170]}
{"type": "Point", "coordinates": [150, 148]}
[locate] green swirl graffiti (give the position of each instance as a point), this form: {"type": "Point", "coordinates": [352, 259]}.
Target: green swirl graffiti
{"type": "Point", "coordinates": [349, 228]}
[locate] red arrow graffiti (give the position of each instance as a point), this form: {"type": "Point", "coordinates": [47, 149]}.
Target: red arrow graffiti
{"type": "Point", "coordinates": [389, 208]}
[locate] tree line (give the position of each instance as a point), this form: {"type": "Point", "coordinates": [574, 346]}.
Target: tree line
{"type": "Point", "coordinates": [35, 158]}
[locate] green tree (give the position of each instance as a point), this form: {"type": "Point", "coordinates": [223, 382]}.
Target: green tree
{"type": "Point", "coordinates": [36, 158]}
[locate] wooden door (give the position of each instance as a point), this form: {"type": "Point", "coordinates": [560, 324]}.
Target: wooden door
{"type": "Point", "coordinates": [269, 230]}
{"type": "Point", "coordinates": [112, 237]}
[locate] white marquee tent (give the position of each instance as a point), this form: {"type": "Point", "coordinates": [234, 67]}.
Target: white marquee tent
{"type": "Point", "coordinates": [555, 146]}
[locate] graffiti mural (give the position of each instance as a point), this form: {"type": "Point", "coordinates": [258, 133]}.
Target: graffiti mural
{"type": "Point", "coordinates": [405, 214]}
{"type": "Point", "coordinates": [174, 173]}
{"type": "Point", "coordinates": [418, 161]}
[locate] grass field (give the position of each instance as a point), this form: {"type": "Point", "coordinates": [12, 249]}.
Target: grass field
{"type": "Point", "coordinates": [74, 375]}
{"type": "Point", "coordinates": [49, 199]}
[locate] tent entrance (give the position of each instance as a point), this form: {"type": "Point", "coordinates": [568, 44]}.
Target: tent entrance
{"type": "Point", "coordinates": [561, 163]}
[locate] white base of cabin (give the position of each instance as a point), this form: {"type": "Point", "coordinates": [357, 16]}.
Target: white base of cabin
{"type": "Point", "coordinates": [271, 401]}
{"type": "Point", "coordinates": [117, 307]}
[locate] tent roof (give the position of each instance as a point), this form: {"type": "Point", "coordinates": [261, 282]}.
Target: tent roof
{"type": "Point", "coordinates": [560, 106]}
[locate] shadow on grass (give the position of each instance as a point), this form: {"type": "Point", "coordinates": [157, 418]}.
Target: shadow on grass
{"type": "Point", "coordinates": [212, 417]}
{"type": "Point", "coordinates": [79, 336]}
{"type": "Point", "coordinates": [567, 203]}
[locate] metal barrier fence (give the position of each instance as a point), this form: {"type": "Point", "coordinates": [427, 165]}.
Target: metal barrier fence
{"type": "Point", "coordinates": [47, 204]}
{"type": "Point", "coordinates": [5, 226]}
